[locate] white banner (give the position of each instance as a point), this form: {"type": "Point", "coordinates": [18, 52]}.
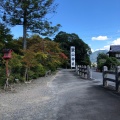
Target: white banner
{"type": "Point", "coordinates": [72, 56]}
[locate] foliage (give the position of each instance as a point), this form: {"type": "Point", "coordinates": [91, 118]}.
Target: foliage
{"type": "Point", "coordinates": [2, 76]}
{"type": "Point", "coordinates": [38, 71]}
{"type": "Point", "coordinates": [111, 62]}
{"type": "Point", "coordinates": [63, 39]}
{"type": "Point", "coordinates": [16, 45]}
{"type": "Point", "coordinates": [82, 50]}
{"type": "Point", "coordinates": [5, 36]}
{"type": "Point", "coordinates": [101, 59]}
{"type": "Point", "coordinates": [15, 67]}
{"type": "Point", "coordinates": [15, 61]}
{"type": "Point", "coordinates": [42, 55]}
{"type": "Point", "coordinates": [64, 60]}
{"type": "Point", "coordinates": [47, 52]}
{"type": "Point", "coordinates": [29, 58]}
{"type": "Point", "coordinates": [31, 14]}
{"type": "Point", "coordinates": [104, 60]}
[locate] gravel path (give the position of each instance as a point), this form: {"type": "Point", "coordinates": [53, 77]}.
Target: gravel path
{"type": "Point", "coordinates": [63, 96]}
{"type": "Point", "coordinates": [30, 101]}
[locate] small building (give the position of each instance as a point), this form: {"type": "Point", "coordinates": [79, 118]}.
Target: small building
{"type": "Point", "coordinates": [7, 54]}
{"type": "Point", "coordinates": [114, 51]}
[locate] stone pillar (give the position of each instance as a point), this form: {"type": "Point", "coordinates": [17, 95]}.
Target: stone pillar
{"type": "Point", "coordinates": [105, 68]}
{"type": "Point", "coordinates": [78, 69]}
{"type": "Point", "coordinates": [88, 72]}
{"type": "Point", "coordinates": [117, 76]}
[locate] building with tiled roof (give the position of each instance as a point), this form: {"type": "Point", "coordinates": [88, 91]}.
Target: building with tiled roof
{"type": "Point", "coordinates": [114, 51]}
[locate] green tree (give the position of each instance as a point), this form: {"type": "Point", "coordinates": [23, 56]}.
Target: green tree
{"type": "Point", "coordinates": [63, 39]}
{"type": "Point", "coordinates": [101, 59]}
{"type": "Point", "coordinates": [104, 60]}
{"type": "Point", "coordinates": [82, 50]}
{"type": "Point", "coordinates": [29, 61]}
{"type": "Point", "coordinates": [31, 14]}
{"type": "Point", "coordinates": [47, 53]}
{"type": "Point", "coordinates": [5, 36]}
{"type": "Point", "coordinates": [111, 62]}
{"type": "Point", "coordinates": [102, 56]}
{"type": "Point", "coordinates": [15, 66]}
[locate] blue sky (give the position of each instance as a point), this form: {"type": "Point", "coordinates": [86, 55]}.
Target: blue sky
{"type": "Point", "coordinates": [96, 22]}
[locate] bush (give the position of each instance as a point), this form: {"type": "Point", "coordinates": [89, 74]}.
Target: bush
{"type": "Point", "coordinates": [38, 70]}
{"type": "Point", "coordinates": [51, 66]}
{"type": "Point", "coordinates": [2, 81]}
{"type": "Point", "coordinates": [2, 76]}
{"type": "Point", "coordinates": [17, 76]}
{"type": "Point", "coordinates": [30, 74]}
{"type": "Point", "coordinates": [110, 62]}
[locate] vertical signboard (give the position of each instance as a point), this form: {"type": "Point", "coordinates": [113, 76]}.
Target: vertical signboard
{"type": "Point", "coordinates": [72, 56]}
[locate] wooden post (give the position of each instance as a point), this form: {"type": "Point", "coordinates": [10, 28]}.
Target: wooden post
{"type": "Point", "coordinates": [7, 71]}
{"type": "Point", "coordinates": [7, 76]}
{"type": "Point", "coordinates": [78, 69]}
{"type": "Point", "coordinates": [105, 68]}
{"type": "Point", "coordinates": [80, 73]}
{"type": "Point", "coordinates": [82, 70]}
{"type": "Point", "coordinates": [88, 72]}
{"type": "Point", "coordinates": [117, 77]}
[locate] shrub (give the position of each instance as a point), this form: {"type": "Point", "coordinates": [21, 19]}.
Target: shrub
{"type": "Point", "coordinates": [2, 76]}
{"type": "Point", "coordinates": [30, 74]}
{"type": "Point", "coordinates": [38, 70]}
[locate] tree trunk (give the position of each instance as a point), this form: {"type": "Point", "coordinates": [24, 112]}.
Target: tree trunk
{"type": "Point", "coordinates": [24, 31]}
{"type": "Point", "coordinates": [24, 40]}
{"type": "Point", "coordinates": [6, 86]}
{"type": "Point", "coordinates": [26, 74]}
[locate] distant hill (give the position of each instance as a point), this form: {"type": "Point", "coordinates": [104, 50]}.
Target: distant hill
{"type": "Point", "coordinates": [93, 56]}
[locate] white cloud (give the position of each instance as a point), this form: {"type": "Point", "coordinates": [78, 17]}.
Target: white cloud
{"type": "Point", "coordinates": [92, 50]}
{"type": "Point", "coordinates": [116, 42]}
{"type": "Point", "coordinates": [107, 47]}
{"type": "Point", "coordinates": [104, 48]}
{"type": "Point", "coordinates": [100, 38]}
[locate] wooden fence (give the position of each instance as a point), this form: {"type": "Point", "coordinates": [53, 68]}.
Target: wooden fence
{"type": "Point", "coordinates": [116, 74]}
{"type": "Point", "coordinates": [84, 71]}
